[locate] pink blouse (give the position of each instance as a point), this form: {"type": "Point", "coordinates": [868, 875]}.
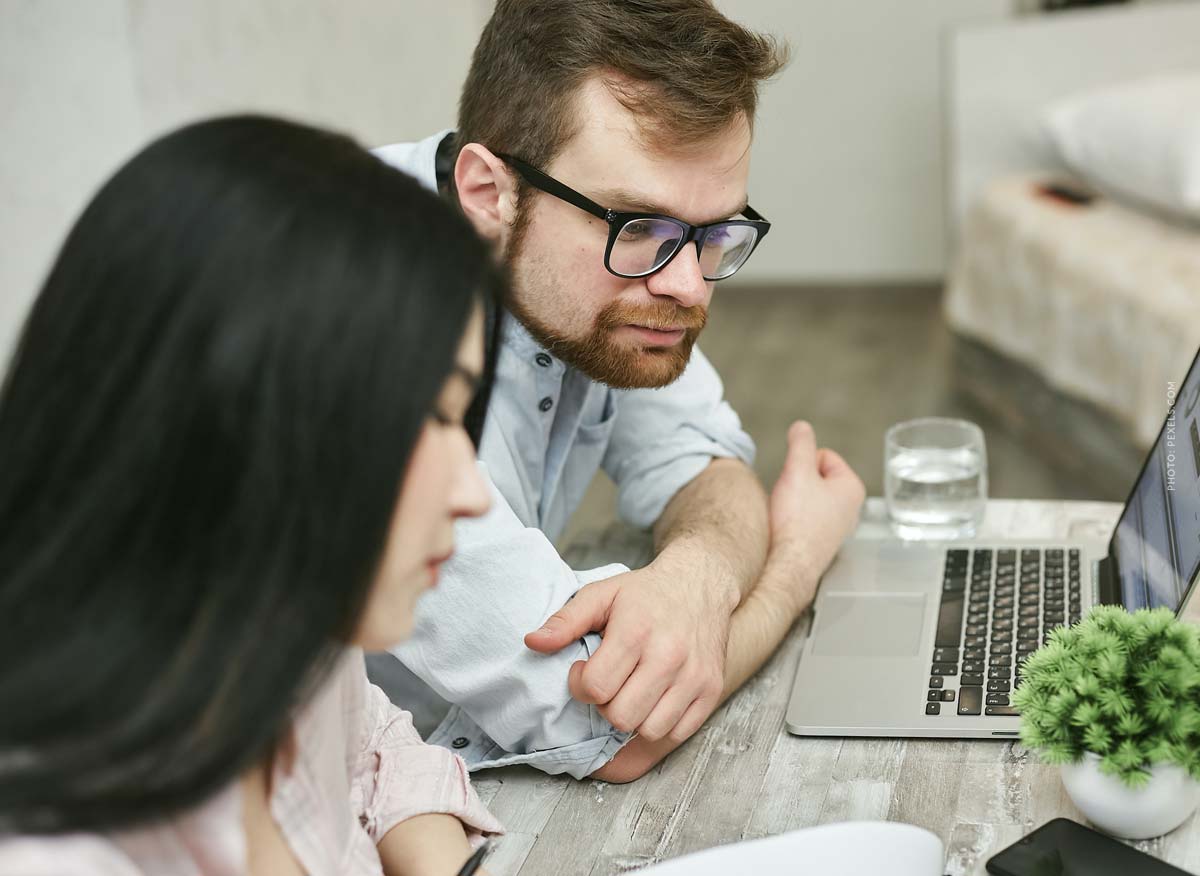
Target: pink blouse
{"type": "Point", "coordinates": [360, 769]}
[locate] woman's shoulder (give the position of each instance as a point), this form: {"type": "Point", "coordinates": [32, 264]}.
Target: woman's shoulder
{"type": "Point", "coordinates": [207, 839]}
{"type": "Point", "coordinates": [74, 854]}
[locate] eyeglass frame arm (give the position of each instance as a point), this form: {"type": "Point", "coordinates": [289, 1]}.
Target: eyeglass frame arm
{"type": "Point", "coordinates": [616, 220]}
{"type": "Point", "coordinates": [564, 192]}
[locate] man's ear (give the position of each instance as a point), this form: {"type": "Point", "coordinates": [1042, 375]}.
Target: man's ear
{"type": "Point", "coordinates": [486, 191]}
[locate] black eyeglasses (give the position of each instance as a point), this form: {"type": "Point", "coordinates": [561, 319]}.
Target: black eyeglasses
{"type": "Point", "coordinates": [640, 244]}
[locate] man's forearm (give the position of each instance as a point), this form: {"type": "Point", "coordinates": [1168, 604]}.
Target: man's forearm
{"type": "Point", "coordinates": [716, 527]}
{"type": "Point", "coordinates": [758, 626]}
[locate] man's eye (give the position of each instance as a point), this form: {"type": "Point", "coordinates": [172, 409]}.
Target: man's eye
{"type": "Point", "coordinates": [635, 231]}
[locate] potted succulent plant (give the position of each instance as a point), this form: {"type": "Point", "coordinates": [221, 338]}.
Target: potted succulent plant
{"type": "Point", "coordinates": [1115, 700]}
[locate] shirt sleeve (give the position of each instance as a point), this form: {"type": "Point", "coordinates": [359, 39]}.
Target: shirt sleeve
{"type": "Point", "coordinates": [664, 437]}
{"type": "Point", "coordinates": [503, 581]}
{"type": "Point", "coordinates": [397, 776]}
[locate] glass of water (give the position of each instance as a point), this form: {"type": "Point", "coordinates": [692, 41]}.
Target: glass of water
{"type": "Point", "coordinates": [935, 478]}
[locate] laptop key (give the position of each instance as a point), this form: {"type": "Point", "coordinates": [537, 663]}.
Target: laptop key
{"type": "Point", "coordinates": [1001, 710]}
{"type": "Point", "coordinates": [944, 669]}
{"type": "Point", "coordinates": [966, 680]}
{"type": "Point", "coordinates": [934, 696]}
{"type": "Point", "coordinates": [945, 655]}
{"type": "Point", "coordinates": [994, 699]}
{"type": "Point", "coordinates": [933, 708]}
{"type": "Point", "coordinates": [947, 696]}
{"type": "Point", "coordinates": [935, 681]}
{"type": "Point", "coordinates": [970, 700]}
{"type": "Point", "coordinates": [950, 618]}
{"type": "Point", "coordinates": [997, 685]}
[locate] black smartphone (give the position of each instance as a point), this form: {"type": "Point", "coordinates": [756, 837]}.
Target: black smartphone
{"type": "Point", "coordinates": [1064, 848]}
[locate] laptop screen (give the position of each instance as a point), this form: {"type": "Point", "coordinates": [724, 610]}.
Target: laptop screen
{"type": "Point", "coordinates": [1156, 545]}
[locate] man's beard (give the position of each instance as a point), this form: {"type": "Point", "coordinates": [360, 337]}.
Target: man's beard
{"type": "Point", "coordinates": [602, 358]}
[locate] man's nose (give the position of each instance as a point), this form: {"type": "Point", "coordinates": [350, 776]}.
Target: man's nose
{"type": "Point", "coordinates": [681, 279]}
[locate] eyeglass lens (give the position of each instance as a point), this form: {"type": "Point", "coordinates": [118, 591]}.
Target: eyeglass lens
{"type": "Point", "coordinates": [644, 245]}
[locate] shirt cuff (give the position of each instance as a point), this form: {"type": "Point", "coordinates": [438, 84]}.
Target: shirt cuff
{"type": "Point", "coordinates": [406, 787]}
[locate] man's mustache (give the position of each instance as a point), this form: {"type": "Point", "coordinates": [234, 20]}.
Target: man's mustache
{"type": "Point", "coordinates": [660, 316]}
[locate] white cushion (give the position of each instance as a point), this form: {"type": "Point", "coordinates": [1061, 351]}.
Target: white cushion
{"type": "Point", "coordinates": [1140, 140]}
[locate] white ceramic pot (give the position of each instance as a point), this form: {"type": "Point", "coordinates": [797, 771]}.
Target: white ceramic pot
{"type": "Point", "coordinates": [1159, 806]}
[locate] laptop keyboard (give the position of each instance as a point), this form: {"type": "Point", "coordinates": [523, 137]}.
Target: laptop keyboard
{"type": "Point", "coordinates": [998, 606]}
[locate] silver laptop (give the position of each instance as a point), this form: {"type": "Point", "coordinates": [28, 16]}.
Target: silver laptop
{"type": "Point", "coordinates": [927, 639]}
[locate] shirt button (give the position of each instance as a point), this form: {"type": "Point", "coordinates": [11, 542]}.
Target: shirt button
{"type": "Point", "coordinates": [543, 360]}
{"type": "Point", "coordinates": [461, 742]}
{"type": "Point", "coordinates": [545, 404]}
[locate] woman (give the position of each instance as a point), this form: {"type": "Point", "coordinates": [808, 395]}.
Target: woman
{"type": "Point", "coordinates": [233, 448]}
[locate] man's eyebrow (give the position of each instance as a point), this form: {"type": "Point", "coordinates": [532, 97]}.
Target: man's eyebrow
{"type": "Point", "coordinates": [628, 202]}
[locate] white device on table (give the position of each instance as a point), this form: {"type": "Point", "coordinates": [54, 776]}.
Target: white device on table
{"type": "Point", "coordinates": [852, 848]}
{"type": "Point", "coordinates": [926, 639]}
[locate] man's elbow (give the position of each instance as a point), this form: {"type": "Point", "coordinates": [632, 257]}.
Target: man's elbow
{"type": "Point", "coordinates": [629, 764]}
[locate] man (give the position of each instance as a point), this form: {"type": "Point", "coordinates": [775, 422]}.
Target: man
{"type": "Point", "coordinates": [603, 147]}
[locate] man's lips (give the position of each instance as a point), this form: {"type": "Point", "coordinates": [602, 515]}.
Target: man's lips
{"type": "Point", "coordinates": [658, 337]}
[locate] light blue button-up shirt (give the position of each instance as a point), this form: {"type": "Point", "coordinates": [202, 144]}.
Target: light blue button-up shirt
{"type": "Point", "coordinates": [549, 430]}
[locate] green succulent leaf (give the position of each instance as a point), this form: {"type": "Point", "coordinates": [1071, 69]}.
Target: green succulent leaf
{"type": "Point", "coordinates": [1123, 685]}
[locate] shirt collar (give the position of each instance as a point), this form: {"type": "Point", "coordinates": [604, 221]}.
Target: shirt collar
{"type": "Point", "coordinates": [518, 342]}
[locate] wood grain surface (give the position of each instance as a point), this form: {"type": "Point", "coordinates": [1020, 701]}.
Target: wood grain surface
{"type": "Point", "coordinates": [742, 776]}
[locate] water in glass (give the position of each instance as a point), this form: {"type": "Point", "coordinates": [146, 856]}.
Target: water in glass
{"type": "Point", "coordinates": [933, 490]}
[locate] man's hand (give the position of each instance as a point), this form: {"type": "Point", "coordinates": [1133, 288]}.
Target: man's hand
{"type": "Point", "coordinates": [660, 668]}
{"type": "Point", "coordinates": [813, 507]}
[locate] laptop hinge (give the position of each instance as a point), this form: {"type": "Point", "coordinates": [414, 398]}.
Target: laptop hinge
{"type": "Point", "coordinates": [1107, 587]}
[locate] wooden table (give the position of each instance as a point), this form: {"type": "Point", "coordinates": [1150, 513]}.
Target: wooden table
{"type": "Point", "coordinates": [743, 776]}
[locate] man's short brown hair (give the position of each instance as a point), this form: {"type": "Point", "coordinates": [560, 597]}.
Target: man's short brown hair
{"type": "Point", "coordinates": [684, 70]}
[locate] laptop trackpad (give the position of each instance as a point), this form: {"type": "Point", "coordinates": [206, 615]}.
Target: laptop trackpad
{"type": "Point", "coordinates": [863, 625]}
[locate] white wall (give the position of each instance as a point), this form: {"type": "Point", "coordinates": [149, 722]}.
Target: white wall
{"type": "Point", "coordinates": [848, 162]}
{"type": "Point", "coordinates": [85, 83]}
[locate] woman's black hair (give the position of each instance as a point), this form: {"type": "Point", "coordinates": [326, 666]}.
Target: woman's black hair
{"type": "Point", "coordinates": [203, 434]}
